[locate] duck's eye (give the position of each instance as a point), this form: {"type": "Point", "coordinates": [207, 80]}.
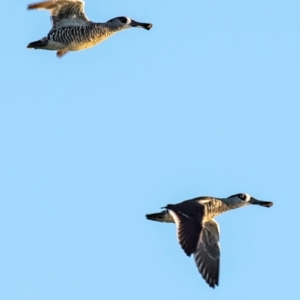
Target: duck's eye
{"type": "Point", "coordinates": [242, 196]}
{"type": "Point", "coordinates": [123, 20]}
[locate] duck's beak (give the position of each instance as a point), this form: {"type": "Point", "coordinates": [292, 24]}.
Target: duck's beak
{"type": "Point", "coordinates": [142, 25]}
{"type": "Point", "coordinates": [261, 203]}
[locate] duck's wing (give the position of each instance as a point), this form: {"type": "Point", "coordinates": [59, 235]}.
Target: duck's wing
{"type": "Point", "coordinates": [188, 219]}
{"type": "Point", "coordinates": [64, 13]}
{"type": "Point", "coordinates": [207, 254]}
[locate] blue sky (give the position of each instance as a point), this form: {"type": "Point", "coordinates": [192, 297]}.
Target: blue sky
{"type": "Point", "coordinates": [205, 103]}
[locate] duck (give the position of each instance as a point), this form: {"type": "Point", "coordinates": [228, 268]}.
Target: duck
{"type": "Point", "coordinates": [72, 30]}
{"type": "Point", "coordinates": [197, 231]}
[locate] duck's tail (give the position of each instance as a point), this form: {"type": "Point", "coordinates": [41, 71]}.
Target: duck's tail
{"type": "Point", "coordinates": [40, 44]}
{"type": "Point", "coordinates": [163, 216]}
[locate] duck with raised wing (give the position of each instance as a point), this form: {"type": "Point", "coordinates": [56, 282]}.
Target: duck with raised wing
{"type": "Point", "coordinates": [197, 231]}
{"type": "Point", "coordinates": [71, 29]}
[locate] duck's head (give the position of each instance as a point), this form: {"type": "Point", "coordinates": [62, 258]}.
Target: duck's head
{"type": "Point", "coordinates": [245, 199]}
{"type": "Point", "coordinates": [125, 22]}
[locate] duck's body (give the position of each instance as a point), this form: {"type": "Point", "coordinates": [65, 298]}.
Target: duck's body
{"type": "Point", "coordinates": [71, 29]}
{"type": "Point", "coordinates": [74, 38]}
{"type": "Point", "coordinates": [198, 232]}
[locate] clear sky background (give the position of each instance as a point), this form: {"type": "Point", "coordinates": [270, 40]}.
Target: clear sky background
{"type": "Point", "coordinates": [205, 103]}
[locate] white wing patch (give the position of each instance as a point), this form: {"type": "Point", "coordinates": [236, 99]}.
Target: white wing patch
{"type": "Point", "coordinates": [177, 222]}
{"type": "Point", "coordinates": [174, 216]}
{"type": "Point", "coordinates": [203, 201]}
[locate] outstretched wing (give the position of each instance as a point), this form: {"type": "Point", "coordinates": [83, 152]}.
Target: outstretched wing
{"type": "Point", "coordinates": [188, 221]}
{"type": "Point", "coordinates": [64, 13]}
{"type": "Point", "coordinates": [207, 254]}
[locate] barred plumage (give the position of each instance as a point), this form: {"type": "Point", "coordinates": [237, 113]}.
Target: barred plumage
{"type": "Point", "coordinates": [71, 29]}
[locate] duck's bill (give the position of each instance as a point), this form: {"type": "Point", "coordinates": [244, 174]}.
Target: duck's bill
{"type": "Point", "coordinates": [141, 25]}
{"type": "Point", "coordinates": [261, 203]}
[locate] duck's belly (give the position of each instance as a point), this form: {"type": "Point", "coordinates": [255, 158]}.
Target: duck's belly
{"type": "Point", "coordinates": [75, 46]}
